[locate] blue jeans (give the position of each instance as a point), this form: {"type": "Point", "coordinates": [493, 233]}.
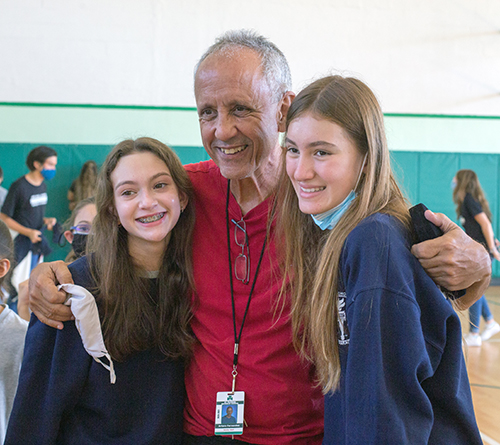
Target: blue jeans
{"type": "Point", "coordinates": [35, 257]}
{"type": "Point", "coordinates": [478, 309]}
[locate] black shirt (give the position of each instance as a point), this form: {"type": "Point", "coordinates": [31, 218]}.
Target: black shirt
{"type": "Point", "coordinates": [469, 209]}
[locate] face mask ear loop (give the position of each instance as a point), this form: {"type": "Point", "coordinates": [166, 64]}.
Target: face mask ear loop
{"type": "Point", "coordinates": [360, 172]}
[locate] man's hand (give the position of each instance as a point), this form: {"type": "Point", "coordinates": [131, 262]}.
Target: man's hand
{"type": "Point", "coordinates": [45, 300]}
{"type": "Point", "coordinates": [454, 260]}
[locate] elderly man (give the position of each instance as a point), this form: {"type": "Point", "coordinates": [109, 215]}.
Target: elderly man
{"type": "Point", "coordinates": [242, 89]}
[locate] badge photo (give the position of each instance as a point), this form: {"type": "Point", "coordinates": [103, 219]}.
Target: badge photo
{"type": "Point", "coordinates": [229, 413]}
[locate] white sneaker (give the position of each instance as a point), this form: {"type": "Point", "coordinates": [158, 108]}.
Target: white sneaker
{"type": "Point", "coordinates": [490, 330]}
{"type": "Point", "coordinates": [473, 339]}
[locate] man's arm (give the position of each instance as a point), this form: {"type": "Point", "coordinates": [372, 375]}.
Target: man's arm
{"type": "Point", "coordinates": [454, 260]}
{"type": "Point", "coordinates": [45, 300]}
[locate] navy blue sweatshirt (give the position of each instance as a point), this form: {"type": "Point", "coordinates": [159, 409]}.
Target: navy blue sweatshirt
{"type": "Point", "coordinates": [403, 377]}
{"type": "Point", "coordinates": [65, 396]}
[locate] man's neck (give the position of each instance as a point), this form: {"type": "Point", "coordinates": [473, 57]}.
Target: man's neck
{"type": "Point", "coordinates": [250, 192]}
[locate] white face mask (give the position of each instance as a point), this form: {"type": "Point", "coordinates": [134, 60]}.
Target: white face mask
{"type": "Point", "coordinates": [84, 308]}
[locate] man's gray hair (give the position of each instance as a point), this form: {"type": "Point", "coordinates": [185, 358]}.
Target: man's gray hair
{"type": "Point", "coordinates": [274, 65]}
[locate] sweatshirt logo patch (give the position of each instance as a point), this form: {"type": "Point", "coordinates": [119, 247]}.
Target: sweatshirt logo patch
{"type": "Point", "coordinates": [343, 332]}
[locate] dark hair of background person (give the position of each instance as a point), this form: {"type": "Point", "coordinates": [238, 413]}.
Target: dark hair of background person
{"type": "Point", "coordinates": [39, 154]}
{"type": "Point", "coordinates": [132, 322]}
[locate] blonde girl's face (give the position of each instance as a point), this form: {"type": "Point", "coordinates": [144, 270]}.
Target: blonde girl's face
{"type": "Point", "coordinates": [322, 162]}
{"type": "Point", "coordinates": [84, 218]}
{"type": "Point", "coordinates": [146, 199]}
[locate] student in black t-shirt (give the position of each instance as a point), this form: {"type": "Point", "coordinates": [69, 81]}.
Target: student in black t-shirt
{"type": "Point", "coordinates": [474, 213]}
{"type": "Point", "coordinates": [24, 210]}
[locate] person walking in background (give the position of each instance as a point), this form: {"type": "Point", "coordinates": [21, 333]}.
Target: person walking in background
{"type": "Point", "coordinates": [24, 211]}
{"type": "Point", "coordinates": [84, 186]}
{"type": "Point", "coordinates": [473, 212]}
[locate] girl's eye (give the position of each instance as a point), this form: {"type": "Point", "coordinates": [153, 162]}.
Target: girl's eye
{"type": "Point", "coordinates": [160, 185]}
{"type": "Point", "coordinates": [322, 153]}
{"type": "Point", "coordinates": [292, 150]}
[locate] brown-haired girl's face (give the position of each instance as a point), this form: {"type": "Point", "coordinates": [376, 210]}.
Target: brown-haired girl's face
{"type": "Point", "coordinates": [322, 162]}
{"type": "Point", "coordinates": [146, 198]}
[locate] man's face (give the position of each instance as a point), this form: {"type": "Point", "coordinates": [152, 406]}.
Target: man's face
{"type": "Point", "coordinates": [229, 411]}
{"type": "Point", "coordinates": [238, 115]}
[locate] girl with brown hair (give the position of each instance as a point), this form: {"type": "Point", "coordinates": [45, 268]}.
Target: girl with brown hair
{"type": "Point", "coordinates": [139, 270]}
{"type": "Point", "coordinates": [474, 213]}
{"type": "Point", "coordinates": [386, 344]}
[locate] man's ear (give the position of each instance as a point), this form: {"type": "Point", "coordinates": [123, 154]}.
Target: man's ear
{"type": "Point", "coordinates": [285, 103]}
{"type": "Point", "coordinates": [68, 234]}
{"type": "Point", "coordinates": [4, 267]}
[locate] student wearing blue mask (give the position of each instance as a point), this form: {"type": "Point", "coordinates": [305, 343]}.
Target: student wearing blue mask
{"type": "Point", "coordinates": [386, 344]}
{"type": "Point", "coordinates": [24, 211]}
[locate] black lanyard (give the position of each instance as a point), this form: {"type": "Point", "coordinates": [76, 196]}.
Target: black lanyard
{"type": "Point", "coordinates": [237, 337]}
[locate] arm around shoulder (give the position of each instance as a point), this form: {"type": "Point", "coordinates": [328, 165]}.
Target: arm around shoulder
{"type": "Point", "coordinates": [455, 261]}
{"type": "Point", "coordinates": [45, 300]}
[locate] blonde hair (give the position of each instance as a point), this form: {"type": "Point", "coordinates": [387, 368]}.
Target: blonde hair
{"type": "Point", "coordinates": [468, 182]}
{"type": "Point", "coordinates": [85, 184]}
{"type": "Point", "coordinates": [311, 258]}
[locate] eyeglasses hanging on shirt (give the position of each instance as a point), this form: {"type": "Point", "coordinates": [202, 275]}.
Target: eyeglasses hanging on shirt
{"type": "Point", "coordinates": [242, 262]}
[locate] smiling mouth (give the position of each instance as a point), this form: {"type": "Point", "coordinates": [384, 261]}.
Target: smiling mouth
{"type": "Point", "coordinates": [151, 218]}
{"type": "Point", "coordinates": [312, 190]}
{"type": "Point", "coordinates": [232, 151]}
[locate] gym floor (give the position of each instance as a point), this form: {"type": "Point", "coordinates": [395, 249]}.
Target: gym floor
{"type": "Point", "coordinates": [483, 364]}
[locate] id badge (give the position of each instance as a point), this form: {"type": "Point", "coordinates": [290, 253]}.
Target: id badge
{"type": "Point", "coordinates": [229, 413]}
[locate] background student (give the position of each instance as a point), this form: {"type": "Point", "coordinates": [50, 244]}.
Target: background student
{"type": "Point", "coordinates": [474, 213]}
{"type": "Point", "coordinates": [24, 211]}
{"type": "Point", "coordinates": [84, 185]}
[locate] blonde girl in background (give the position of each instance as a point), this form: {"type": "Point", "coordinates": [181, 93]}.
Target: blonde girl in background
{"type": "Point", "coordinates": [85, 185]}
{"type": "Point", "coordinates": [387, 346]}
{"type": "Point", "coordinates": [474, 213]}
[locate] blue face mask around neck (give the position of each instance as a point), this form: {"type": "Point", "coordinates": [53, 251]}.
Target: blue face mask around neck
{"type": "Point", "coordinates": [48, 174]}
{"type": "Point", "coordinates": [330, 218]}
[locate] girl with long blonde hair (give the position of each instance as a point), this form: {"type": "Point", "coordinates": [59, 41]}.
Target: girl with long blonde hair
{"type": "Point", "coordinates": [474, 213]}
{"type": "Point", "coordinates": [386, 344]}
